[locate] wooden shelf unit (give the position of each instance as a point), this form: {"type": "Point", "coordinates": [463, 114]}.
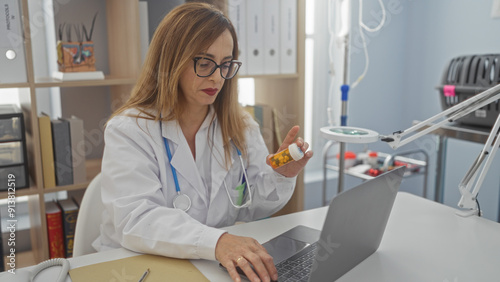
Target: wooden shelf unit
{"type": "Point", "coordinates": [120, 15]}
{"type": "Point", "coordinates": [283, 92]}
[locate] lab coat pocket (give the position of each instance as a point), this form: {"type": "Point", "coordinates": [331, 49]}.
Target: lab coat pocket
{"type": "Point", "coordinates": [235, 186]}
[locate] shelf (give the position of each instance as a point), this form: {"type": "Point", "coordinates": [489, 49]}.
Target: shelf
{"type": "Point", "coordinates": [20, 192]}
{"type": "Point", "coordinates": [15, 85]}
{"type": "Point", "coordinates": [108, 81]}
{"type": "Point", "coordinates": [385, 163]}
{"type": "Point", "coordinates": [93, 168]}
{"type": "Point", "coordinates": [350, 172]}
{"type": "Point", "coordinates": [272, 76]}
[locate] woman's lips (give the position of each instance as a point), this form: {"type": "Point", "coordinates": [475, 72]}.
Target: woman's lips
{"type": "Point", "coordinates": [210, 91]}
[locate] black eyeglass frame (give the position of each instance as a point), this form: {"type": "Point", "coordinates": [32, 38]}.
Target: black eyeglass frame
{"type": "Point", "coordinates": [217, 66]}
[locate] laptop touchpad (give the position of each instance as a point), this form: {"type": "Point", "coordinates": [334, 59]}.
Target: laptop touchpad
{"type": "Point", "coordinates": [291, 242]}
{"type": "Point", "coordinates": [282, 247]}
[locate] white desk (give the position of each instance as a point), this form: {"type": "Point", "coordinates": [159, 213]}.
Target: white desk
{"type": "Point", "coordinates": [424, 241]}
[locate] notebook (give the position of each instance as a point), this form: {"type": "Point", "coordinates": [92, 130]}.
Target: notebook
{"type": "Point", "coordinates": [352, 231]}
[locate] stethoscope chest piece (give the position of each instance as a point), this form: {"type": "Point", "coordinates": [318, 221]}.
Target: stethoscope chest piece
{"type": "Point", "coordinates": [182, 202]}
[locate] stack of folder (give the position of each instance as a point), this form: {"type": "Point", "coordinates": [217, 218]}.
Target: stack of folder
{"type": "Point", "coordinates": [267, 35]}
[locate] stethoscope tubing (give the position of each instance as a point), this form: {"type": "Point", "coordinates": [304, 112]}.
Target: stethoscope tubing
{"type": "Point", "coordinates": [174, 171]}
{"type": "Point", "coordinates": [176, 181]}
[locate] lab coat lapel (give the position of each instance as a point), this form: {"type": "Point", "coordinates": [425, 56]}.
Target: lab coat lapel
{"type": "Point", "coordinates": [182, 159]}
{"type": "Point", "coordinates": [219, 170]}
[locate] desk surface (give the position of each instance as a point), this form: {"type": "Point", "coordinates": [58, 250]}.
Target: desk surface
{"type": "Point", "coordinates": [424, 241]}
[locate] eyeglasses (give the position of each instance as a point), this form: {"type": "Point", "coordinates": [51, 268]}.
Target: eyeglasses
{"type": "Point", "coordinates": [204, 67]}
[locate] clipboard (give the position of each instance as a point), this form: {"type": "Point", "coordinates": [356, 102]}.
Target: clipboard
{"type": "Point", "coordinates": [132, 268]}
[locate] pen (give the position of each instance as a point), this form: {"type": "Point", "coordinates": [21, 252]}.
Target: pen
{"type": "Point", "coordinates": [143, 277]}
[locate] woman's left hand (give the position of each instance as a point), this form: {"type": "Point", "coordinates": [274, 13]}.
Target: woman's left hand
{"type": "Point", "coordinates": [293, 168]}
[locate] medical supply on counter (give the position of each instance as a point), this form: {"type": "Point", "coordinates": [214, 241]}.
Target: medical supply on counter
{"type": "Point", "coordinates": [350, 159]}
{"type": "Point", "coordinates": [373, 159]}
{"type": "Point", "coordinates": [292, 153]}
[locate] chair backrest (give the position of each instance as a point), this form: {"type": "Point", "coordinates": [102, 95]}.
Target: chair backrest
{"type": "Point", "coordinates": [89, 219]}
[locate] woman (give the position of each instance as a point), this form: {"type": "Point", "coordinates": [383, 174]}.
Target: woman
{"type": "Point", "coordinates": [182, 158]}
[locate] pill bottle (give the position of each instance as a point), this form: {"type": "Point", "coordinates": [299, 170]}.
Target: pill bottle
{"type": "Point", "coordinates": [290, 154]}
{"type": "Point", "coordinates": [372, 159]}
{"type": "Point", "coordinates": [349, 159]}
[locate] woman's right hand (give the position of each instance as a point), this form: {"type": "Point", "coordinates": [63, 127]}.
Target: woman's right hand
{"type": "Point", "coordinates": [244, 252]}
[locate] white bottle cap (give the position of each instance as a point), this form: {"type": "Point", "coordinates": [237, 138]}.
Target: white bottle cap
{"type": "Point", "coordinates": [295, 152]}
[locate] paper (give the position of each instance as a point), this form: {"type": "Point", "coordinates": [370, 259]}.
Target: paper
{"type": "Point", "coordinates": [132, 268]}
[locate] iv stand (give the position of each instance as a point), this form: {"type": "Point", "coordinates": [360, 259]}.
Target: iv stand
{"type": "Point", "coordinates": [343, 118]}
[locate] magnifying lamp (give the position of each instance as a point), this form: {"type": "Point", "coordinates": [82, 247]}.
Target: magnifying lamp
{"type": "Point", "coordinates": [473, 179]}
{"type": "Point", "coordinates": [349, 134]}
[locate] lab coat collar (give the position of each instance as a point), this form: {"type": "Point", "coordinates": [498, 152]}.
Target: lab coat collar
{"type": "Point", "coordinates": [184, 165]}
{"type": "Point", "coordinates": [182, 159]}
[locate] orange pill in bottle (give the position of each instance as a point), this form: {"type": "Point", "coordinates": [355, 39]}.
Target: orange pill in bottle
{"type": "Point", "coordinates": [290, 154]}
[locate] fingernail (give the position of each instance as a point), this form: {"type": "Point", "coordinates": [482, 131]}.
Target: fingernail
{"type": "Point", "coordinates": [275, 277]}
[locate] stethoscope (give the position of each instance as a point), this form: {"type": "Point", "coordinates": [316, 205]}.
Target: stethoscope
{"type": "Point", "coordinates": [183, 202]}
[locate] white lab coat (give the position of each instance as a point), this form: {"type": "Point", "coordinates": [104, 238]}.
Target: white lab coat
{"type": "Point", "coordinates": [138, 188]}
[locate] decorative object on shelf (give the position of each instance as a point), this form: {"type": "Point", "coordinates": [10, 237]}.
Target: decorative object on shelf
{"type": "Point", "coordinates": [13, 154]}
{"type": "Point", "coordinates": [76, 59]}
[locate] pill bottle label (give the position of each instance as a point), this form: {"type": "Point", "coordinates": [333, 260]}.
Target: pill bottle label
{"type": "Point", "coordinates": [292, 153]}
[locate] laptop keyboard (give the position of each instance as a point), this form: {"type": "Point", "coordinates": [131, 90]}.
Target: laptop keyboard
{"type": "Point", "coordinates": [298, 266]}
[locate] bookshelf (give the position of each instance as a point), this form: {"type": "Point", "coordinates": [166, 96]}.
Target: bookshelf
{"type": "Point", "coordinates": [287, 97]}
{"type": "Point", "coordinates": [120, 14]}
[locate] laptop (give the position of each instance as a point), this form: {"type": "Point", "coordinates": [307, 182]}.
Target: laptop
{"type": "Point", "coordinates": [353, 230]}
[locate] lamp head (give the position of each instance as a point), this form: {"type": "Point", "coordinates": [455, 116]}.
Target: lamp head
{"type": "Point", "coordinates": [349, 134]}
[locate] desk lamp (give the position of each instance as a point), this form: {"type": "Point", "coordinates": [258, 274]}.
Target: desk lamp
{"type": "Point", "coordinates": [473, 179]}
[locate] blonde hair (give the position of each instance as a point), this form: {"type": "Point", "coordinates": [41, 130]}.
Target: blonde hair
{"type": "Point", "coordinates": [185, 32]}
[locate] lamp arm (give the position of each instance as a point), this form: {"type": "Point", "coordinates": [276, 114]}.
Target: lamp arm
{"type": "Point", "coordinates": [473, 179]}
{"type": "Point", "coordinates": [395, 140]}
{"type": "Point", "coordinates": [487, 154]}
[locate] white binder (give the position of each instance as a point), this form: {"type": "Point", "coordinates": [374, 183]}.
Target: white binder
{"type": "Point", "coordinates": [272, 37]}
{"type": "Point", "coordinates": [144, 29]}
{"type": "Point", "coordinates": [288, 52]}
{"type": "Point", "coordinates": [255, 37]}
{"type": "Point", "coordinates": [12, 58]}
{"type": "Point", "coordinates": [237, 15]}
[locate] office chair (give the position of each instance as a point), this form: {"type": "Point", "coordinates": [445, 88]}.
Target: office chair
{"type": "Point", "coordinates": [89, 219]}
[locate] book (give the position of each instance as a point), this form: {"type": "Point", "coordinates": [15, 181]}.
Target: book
{"type": "Point", "coordinates": [55, 233]}
{"type": "Point", "coordinates": [263, 115]}
{"type": "Point", "coordinates": [63, 162]}
{"type": "Point", "coordinates": [77, 149]}
{"type": "Point", "coordinates": [46, 148]}
{"type": "Point", "coordinates": [69, 211]}
{"type": "Point", "coordinates": [80, 75]}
